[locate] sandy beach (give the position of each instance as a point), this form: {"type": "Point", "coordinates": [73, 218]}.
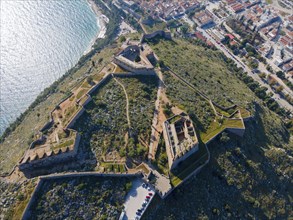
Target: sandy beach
{"type": "Point", "coordinates": [102, 19]}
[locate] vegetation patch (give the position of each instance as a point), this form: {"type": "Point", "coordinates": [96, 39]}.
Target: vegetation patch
{"type": "Point", "coordinates": [142, 94]}
{"type": "Point", "coordinates": [219, 125]}
{"type": "Point", "coordinates": [188, 100]}
{"type": "Point", "coordinates": [81, 198]}
{"type": "Point", "coordinates": [14, 198]}
{"type": "Point", "coordinates": [161, 158]}
{"type": "Point", "coordinates": [104, 124]}
{"type": "Point", "coordinates": [114, 167]}
{"type": "Point", "coordinates": [205, 69]}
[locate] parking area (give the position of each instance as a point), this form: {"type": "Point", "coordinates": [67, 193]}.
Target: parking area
{"type": "Point", "coordinates": [137, 200]}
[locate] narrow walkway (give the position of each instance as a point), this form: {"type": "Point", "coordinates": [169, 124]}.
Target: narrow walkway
{"type": "Point", "coordinates": [127, 101]}
{"type": "Point", "coordinates": [156, 124]}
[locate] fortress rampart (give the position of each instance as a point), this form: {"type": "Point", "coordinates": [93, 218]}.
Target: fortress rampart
{"type": "Point", "coordinates": [160, 33]}
{"type": "Point", "coordinates": [133, 67]}
{"type": "Point", "coordinates": [51, 157]}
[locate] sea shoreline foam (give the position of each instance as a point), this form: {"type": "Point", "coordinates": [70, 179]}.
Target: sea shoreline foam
{"type": "Point", "coordinates": [102, 20]}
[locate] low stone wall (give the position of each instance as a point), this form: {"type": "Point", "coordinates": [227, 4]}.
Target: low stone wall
{"type": "Point", "coordinates": [248, 118]}
{"type": "Point", "coordinates": [82, 110]}
{"type": "Point", "coordinates": [105, 78]}
{"type": "Point", "coordinates": [39, 141]}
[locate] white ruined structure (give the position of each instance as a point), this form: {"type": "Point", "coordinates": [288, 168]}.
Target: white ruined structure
{"type": "Point", "coordinates": [180, 139]}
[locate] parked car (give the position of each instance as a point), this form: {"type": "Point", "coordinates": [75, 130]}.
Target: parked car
{"type": "Point", "coordinates": [150, 194]}
{"type": "Point", "coordinates": [138, 213]}
{"type": "Point", "coordinates": [144, 185]}
{"type": "Point", "coordinates": [148, 197]}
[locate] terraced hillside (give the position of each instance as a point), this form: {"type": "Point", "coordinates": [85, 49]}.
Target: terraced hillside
{"type": "Point", "coordinates": [247, 177]}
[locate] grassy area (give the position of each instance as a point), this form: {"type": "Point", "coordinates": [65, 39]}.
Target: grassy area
{"type": "Point", "coordinates": [98, 76]}
{"type": "Point", "coordinates": [225, 113]}
{"type": "Point", "coordinates": [81, 93]}
{"type": "Point", "coordinates": [114, 167]}
{"type": "Point", "coordinates": [85, 85]}
{"type": "Point", "coordinates": [189, 165]}
{"type": "Point", "coordinates": [119, 69]}
{"type": "Point", "coordinates": [161, 158]}
{"type": "Point", "coordinates": [244, 113]}
{"type": "Point", "coordinates": [66, 143]}
{"type": "Point", "coordinates": [216, 127]}
{"type": "Point", "coordinates": [69, 113]}
{"type": "Point", "coordinates": [105, 125]}
{"type": "Point", "coordinates": [19, 194]}
{"type": "Point", "coordinates": [143, 168]}
{"type": "Point", "coordinates": [189, 101]}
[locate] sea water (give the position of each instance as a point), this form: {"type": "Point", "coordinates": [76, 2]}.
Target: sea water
{"type": "Point", "coordinates": [40, 41]}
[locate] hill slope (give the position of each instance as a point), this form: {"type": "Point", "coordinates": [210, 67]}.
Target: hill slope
{"type": "Point", "coordinates": [247, 177]}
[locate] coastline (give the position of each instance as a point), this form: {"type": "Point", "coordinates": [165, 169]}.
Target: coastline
{"type": "Point", "coordinates": [102, 20]}
{"type": "Point", "coordinates": [11, 137]}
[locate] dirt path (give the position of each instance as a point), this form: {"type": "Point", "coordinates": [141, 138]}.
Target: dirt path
{"type": "Point", "coordinates": [127, 101]}
{"type": "Point", "coordinates": [157, 120]}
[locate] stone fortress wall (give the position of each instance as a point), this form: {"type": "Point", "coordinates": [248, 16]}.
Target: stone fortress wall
{"type": "Point", "coordinates": [131, 66]}
{"type": "Point", "coordinates": [47, 159]}
{"type": "Point", "coordinates": [69, 153]}
{"type": "Point", "coordinates": [160, 33]}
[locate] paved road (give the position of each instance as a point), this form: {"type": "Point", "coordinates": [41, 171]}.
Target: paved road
{"type": "Point", "coordinates": [282, 102]}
